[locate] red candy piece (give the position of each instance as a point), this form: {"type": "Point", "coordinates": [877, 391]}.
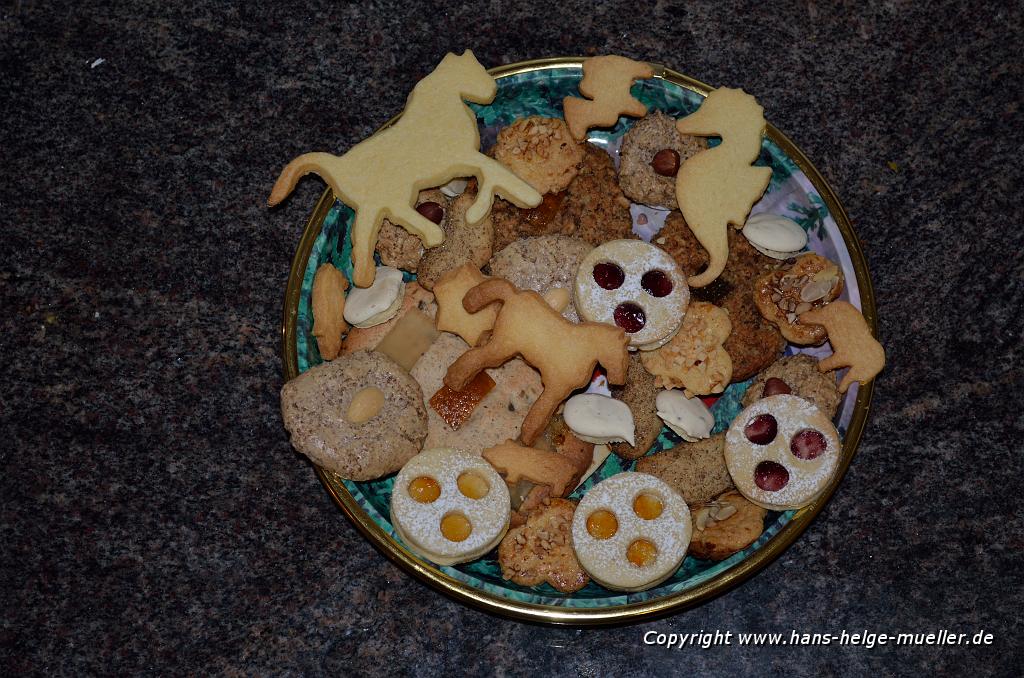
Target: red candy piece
{"type": "Point", "coordinates": [656, 283]}
{"type": "Point", "coordinates": [762, 429]}
{"type": "Point", "coordinates": [808, 444]}
{"type": "Point", "coordinates": [609, 276]}
{"type": "Point", "coordinates": [630, 317]}
{"type": "Point", "coordinates": [770, 476]}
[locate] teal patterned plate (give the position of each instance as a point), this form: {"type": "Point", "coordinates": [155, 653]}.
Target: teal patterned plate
{"type": "Point", "coordinates": [797, 190]}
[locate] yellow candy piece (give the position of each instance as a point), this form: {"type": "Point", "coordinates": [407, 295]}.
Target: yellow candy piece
{"type": "Point", "coordinates": [436, 140]}
{"type": "Point", "coordinates": [717, 187]}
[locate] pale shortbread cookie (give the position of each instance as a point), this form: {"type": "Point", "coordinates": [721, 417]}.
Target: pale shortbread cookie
{"type": "Point", "coordinates": [789, 469]}
{"type": "Point", "coordinates": [540, 151]}
{"type": "Point", "coordinates": [435, 140]}
{"type": "Point", "coordinates": [606, 83]}
{"type": "Point", "coordinates": [419, 523]}
{"type": "Point", "coordinates": [606, 560]}
{"type": "Point", "coordinates": [452, 316]}
{"type": "Point", "coordinates": [852, 343]}
{"type": "Point", "coordinates": [694, 358]}
{"type": "Point", "coordinates": [718, 187]}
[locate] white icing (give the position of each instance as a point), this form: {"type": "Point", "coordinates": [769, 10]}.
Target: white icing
{"type": "Point", "coordinates": [605, 559]}
{"type": "Point", "coordinates": [454, 188]}
{"type": "Point", "coordinates": [774, 235]}
{"type": "Point", "coordinates": [807, 477]}
{"type": "Point", "coordinates": [664, 315]}
{"type": "Point", "coordinates": [378, 303]}
{"type": "Point", "coordinates": [419, 524]}
{"type": "Point", "coordinates": [599, 419]}
{"type": "Point", "coordinates": [690, 418]}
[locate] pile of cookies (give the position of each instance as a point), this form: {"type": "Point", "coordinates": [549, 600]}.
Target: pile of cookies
{"type": "Point", "coordinates": [505, 330]}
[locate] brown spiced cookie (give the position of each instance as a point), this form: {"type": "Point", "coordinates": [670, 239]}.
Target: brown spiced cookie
{"type": "Point", "coordinates": [639, 174]}
{"type": "Point", "coordinates": [799, 373]}
{"type": "Point", "coordinates": [463, 243]}
{"type": "Point", "coordinates": [640, 393]}
{"type": "Point", "coordinates": [401, 249]}
{"type": "Point", "coordinates": [541, 151]}
{"type": "Point", "coordinates": [542, 264]}
{"type": "Point", "coordinates": [360, 415]}
{"type": "Point", "coordinates": [754, 343]}
{"type": "Point", "coordinates": [541, 550]}
{"type": "Point", "coordinates": [594, 208]}
{"type": "Point", "coordinates": [696, 470]}
{"type": "Point", "coordinates": [724, 526]}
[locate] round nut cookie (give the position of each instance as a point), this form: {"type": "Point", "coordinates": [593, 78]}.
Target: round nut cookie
{"type": "Point", "coordinates": [724, 526]}
{"type": "Point", "coordinates": [316, 407]}
{"type": "Point", "coordinates": [463, 243]}
{"type": "Point", "coordinates": [781, 452]}
{"type": "Point", "coordinates": [541, 264]}
{"type": "Point", "coordinates": [807, 282]}
{"type": "Point", "coordinates": [754, 342]}
{"type": "Point", "coordinates": [400, 248]}
{"type": "Point", "coordinates": [801, 376]}
{"type": "Point", "coordinates": [638, 178]}
{"type": "Point", "coordinates": [541, 152]}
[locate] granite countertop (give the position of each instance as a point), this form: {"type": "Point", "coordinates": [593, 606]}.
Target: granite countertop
{"type": "Point", "coordinates": [154, 517]}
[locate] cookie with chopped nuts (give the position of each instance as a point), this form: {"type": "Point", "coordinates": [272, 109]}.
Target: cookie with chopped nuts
{"type": "Point", "coordinates": [541, 151]}
{"type": "Point", "coordinates": [754, 343]}
{"type": "Point", "coordinates": [694, 359]}
{"type": "Point", "coordinates": [801, 376]}
{"type": "Point", "coordinates": [783, 295]}
{"type": "Point", "coordinates": [541, 550]}
{"type": "Point", "coordinates": [652, 152]}
{"type": "Point", "coordinates": [401, 249]}
{"type": "Point", "coordinates": [724, 526]}
{"type": "Point", "coordinates": [464, 243]}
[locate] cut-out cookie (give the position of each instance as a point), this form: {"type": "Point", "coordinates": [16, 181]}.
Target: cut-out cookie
{"type": "Point", "coordinates": [606, 83]}
{"type": "Point", "coordinates": [852, 343]}
{"type": "Point", "coordinates": [564, 353]}
{"type": "Point", "coordinates": [718, 187]}
{"type": "Point", "coordinates": [434, 141]}
{"type": "Point", "coordinates": [329, 285]}
{"type": "Point", "coordinates": [452, 316]}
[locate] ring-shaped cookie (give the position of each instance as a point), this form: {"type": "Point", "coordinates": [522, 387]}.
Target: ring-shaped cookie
{"type": "Point", "coordinates": [620, 276]}
{"type": "Point", "coordinates": [418, 523]}
{"type": "Point", "coordinates": [606, 560]}
{"type": "Point", "coordinates": [754, 466]}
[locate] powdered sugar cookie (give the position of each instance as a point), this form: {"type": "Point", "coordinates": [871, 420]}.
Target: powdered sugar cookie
{"type": "Point", "coordinates": [781, 452]}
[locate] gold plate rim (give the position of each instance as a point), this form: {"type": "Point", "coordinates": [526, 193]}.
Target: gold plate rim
{"type": "Point", "coordinates": [632, 612]}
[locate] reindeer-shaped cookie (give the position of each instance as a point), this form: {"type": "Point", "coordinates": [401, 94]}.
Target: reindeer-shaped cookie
{"type": "Point", "coordinates": [434, 141]}
{"type": "Point", "coordinates": [563, 352]}
{"type": "Point", "coordinates": [717, 187]}
{"type": "Point", "coordinates": [606, 80]}
{"type": "Point", "coordinates": [852, 343]}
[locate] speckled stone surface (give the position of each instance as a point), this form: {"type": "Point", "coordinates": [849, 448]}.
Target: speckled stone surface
{"type": "Point", "coordinates": [153, 516]}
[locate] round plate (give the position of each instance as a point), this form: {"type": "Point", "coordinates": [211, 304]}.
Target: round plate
{"type": "Point", "coordinates": [797, 190]}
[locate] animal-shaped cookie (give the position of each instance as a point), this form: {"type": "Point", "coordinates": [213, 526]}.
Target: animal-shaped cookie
{"type": "Point", "coordinates": [564, 353]}
{"type": "Point", "coordinates": [852, 343]}
{"type": "Point", "coordinates": [718, 187]}
{"type": "Point", "coordinates": [434, 141]}
{"type": "Point", "coordinates": [606, 82]}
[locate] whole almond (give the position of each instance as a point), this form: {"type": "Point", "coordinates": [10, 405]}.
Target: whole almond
{"type": "Point", "coordinates": [328, 303]}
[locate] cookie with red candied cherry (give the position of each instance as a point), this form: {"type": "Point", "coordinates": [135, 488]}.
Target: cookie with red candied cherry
{"type": "Point", "coordinates": [782, 452]}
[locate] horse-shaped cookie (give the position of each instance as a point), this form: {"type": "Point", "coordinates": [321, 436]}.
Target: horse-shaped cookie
{"type": "Point", "coordinates": [717, 187]}
{"type": "Point", "coordinates": [435, 140]}
{"type": "Point", "coordinates": [565, 353]}
{"type": "Point", "coordinates": [852, 343]}
{"type": "Point", "coordinates": [606, 83]}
